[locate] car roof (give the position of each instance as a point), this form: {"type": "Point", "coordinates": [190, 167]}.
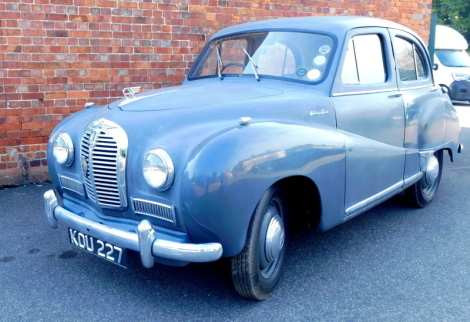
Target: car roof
{"type": "Point", "coordinates": [323, 24]}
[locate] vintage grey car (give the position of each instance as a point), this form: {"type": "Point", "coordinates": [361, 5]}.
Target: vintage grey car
{"type": "Point", "coordinates": [282, 123]}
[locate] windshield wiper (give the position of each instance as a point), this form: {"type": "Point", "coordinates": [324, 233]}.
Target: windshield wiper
{"type": "Point", "coordinates": [252, 63]}
{"type": "Point", "coordinates": [219, 64]}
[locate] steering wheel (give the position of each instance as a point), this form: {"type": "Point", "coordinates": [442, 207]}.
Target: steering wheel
{"type": "Point", "coordinates": [232, 64]}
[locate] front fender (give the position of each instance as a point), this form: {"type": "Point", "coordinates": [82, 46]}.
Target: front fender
{"type": "Point", "coordinates": [226, 176]}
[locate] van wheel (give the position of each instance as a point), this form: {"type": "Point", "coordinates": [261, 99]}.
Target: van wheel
{"type": "Point", "coordinates": [422, 193]}
{"type": "Point", "coordinates": [257, 268]}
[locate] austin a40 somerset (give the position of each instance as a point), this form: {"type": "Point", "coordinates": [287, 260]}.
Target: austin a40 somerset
{"type": "Point", "coordinates": [303, 120]}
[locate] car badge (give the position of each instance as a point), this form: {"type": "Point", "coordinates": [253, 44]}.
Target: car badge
{"type": "Point", "coordinates": [93, 137]}
{"type": "Point", "coordinates": [129, 92]}
{"type": "Point", "coordinates": [84, 166]}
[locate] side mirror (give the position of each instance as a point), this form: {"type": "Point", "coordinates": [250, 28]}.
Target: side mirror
{"type": "Point", "coordinates": [435, 66]}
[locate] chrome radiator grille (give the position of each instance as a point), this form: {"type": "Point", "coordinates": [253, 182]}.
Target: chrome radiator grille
{"type": "Point", "coordinates": [103, 151]}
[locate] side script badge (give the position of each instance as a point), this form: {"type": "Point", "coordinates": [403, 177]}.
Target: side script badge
{"type": "Point", "coordinates": [315, 112]}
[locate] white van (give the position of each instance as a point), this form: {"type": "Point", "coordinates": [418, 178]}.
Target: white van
{"type": "Point", "coordinates": [452, 63]}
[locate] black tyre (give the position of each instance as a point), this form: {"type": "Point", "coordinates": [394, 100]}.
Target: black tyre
{"type": "Point", "coordinates": [257, 269]}
{"type": "Point", "coordinates": [422, 193]}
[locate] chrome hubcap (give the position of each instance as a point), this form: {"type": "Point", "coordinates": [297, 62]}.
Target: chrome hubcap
{"type": "Point", "coordinates": [274, 238]}
{"type": "Point", "coordinates": [432, 171]}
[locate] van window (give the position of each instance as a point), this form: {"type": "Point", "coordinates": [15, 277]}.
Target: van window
{"type": "Point", "coordinates": [364, 61]}
{"type": "Point", "coordinates": [453, 58]}
{"type": "Point", "coordinates": [409, 61]}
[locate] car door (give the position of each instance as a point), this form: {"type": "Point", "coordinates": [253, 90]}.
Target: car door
{"type": "Point", "coordinates": [370, 114]}
{"type": "Point", "coordinates": [424, 108]}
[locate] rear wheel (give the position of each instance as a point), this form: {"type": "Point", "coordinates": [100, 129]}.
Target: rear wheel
{"type": "Point", "coordinates": [422, 193]}
{"type": "Point", "coordinates": [257, 269]}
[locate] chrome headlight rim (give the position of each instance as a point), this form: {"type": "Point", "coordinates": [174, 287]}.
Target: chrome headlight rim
{"type": "Point", "coordinates": [67, 143]}
{"type": "Point", "coordinates": [169, 169]}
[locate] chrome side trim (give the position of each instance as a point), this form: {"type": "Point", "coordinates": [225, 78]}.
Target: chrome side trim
{"type": "Point", "coordinates": [365, 92]}
{"type": "Point", "coordinates": [146, 239]}
{"type": "Point", "coordinates": [72, 185]}
{"type": "Point", "coordinates": [370, 202]}
{"type": "Point", "coordinates": [414, 87]}
{"type": "Point", "coordinates": [413, 179]}
{"type": "Point", "coordinates": [154, 209]}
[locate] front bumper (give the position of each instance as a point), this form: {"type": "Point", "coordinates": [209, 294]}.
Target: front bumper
{"type": "Point", "coordinates": [145, 241]}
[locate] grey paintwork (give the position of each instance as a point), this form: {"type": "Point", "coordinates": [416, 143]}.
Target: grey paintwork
{"type": "Point", "coordinates": [357, 145]}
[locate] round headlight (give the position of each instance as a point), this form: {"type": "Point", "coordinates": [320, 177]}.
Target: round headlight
{"type": "Point", "coordinates": [158, 169]}
{"type": "Point", "coordinates": [62, 148]}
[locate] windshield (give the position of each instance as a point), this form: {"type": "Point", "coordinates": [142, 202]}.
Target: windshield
{"type": "Point", "coordinates": [453, 58]}
{"type": "Point", "coordinates": [289, 55]}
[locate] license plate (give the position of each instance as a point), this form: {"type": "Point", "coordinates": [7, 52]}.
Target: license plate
{"type": "Point", "coordinates": [102, 249]}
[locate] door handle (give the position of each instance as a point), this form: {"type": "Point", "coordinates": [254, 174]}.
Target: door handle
{"type": "Point", "coordinates": [395, 95]}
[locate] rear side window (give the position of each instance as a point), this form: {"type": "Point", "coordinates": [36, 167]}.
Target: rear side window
{"type": "Point", "coordinates": [364, 61]}
{"type": "Point", "coordinates": [409, 61]}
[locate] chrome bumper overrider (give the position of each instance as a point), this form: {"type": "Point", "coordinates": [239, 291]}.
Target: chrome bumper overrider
{"type": "Point", "coordinates": [145, 241]}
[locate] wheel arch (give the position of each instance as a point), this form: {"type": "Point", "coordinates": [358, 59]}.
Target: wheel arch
{"type": "Point", "coordinates": [303, 201]}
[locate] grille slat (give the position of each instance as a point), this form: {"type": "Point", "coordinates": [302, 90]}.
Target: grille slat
{"type": "Point", "coordinates": [109, 198]}
{"type": "Point", "coordinates": [97, 161]}
{"type": "Point", "coordinates": [101, 180]}
{"type": "Point", "coordinates": [103, 156]}
{"type": "Point", "coordinates": [106, 173]}
{"type": "Point", "coordinates": [112, 189]}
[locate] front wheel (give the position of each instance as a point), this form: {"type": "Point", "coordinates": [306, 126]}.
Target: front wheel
{"type": "Point", "coordinates": [257, 269]}
{"type": "Point", "coordinates": [422, 193]}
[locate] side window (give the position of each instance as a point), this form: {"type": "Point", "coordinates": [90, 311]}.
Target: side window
{"type": "Point", "coordinates": [364, 61]}
{"type": "Point", "coordinates": [409, 61]}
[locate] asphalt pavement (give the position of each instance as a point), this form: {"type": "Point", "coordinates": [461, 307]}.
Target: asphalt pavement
{"type": "Point", "coordinates": [392, 263]}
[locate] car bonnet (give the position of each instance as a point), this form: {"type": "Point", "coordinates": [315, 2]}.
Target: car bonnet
{"type": "Point", "coordinates": [187, 96]}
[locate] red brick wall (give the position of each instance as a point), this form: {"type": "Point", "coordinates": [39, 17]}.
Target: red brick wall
{"type": "Point", "coordinates": [59, 54]}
